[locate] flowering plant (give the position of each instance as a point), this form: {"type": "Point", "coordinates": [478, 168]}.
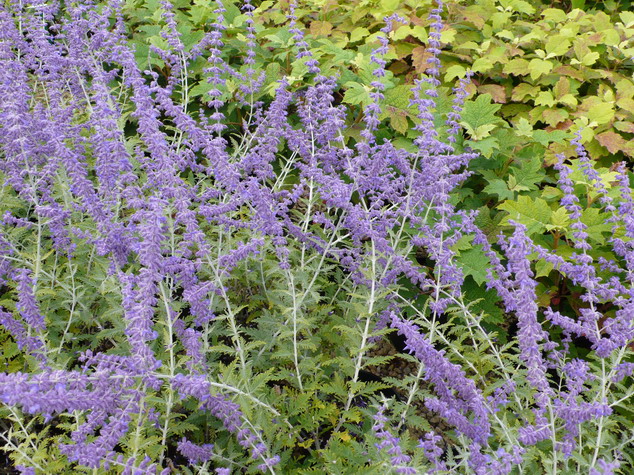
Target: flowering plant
{"type": "Point", "coordinates": [208, 286]}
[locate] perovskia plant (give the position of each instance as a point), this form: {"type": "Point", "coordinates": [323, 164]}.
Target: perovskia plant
{"type": "Point", "coordinates": [187, 294]}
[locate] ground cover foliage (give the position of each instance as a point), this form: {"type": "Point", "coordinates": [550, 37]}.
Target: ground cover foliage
{"type": "Point", "coordinates": [214, 214]}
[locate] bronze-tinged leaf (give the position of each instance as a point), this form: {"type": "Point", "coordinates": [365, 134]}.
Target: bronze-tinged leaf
{"type": "Point", "coordinates": [399, 67]}
{"type": "Point", "coordinates": [612, 141]}
{"type": "Point", "coordinates": [517, 67]}
{"type": "Point", "coordinates": [320, 28]}
{"type": "Point", "coordinates": [570, 72]}
{"type": "Point", "coordinates": [554, 116]}
{"type": "Point", "coordinates": [418, 21]}
{"type": "Point", "coordinates": [556, 148]}
{"type": "Point", "coordinates": [562, 87]}
{"type": "Point", "coordinates": [565, 125]}
{"type": "Point", "coordinates": [628, 149]}
{"type": "Point", "coordinates": [626, 104]}
{"type": "Point", "coordinates": [473, 17]}
{"type": "Point", "coordinates": [624, 126]}
{"type": "Point", "coordinates": [524, 89]}
{"type": "Point", "coordinates": [497, 92]}
{"type": "Point", "coordinates": [420, 55]}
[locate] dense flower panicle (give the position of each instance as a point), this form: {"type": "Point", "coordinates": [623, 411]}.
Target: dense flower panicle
{"type": "Point", "coordinates": [605, 468]}
{"type": "Point", "coordinates": [195, 453]}
{"type": "Point", "coordinates": [519, 297]}
{"type": "Point", "coordinates": [228, 412]}
{"type": "Point", "coordinates": [27, 304]}
{"type": "Point", "coordinates": [500, 464]}
{"type": "Point", "coordinates": [459, 398]}
{"type": "Point", "coordinates": [433, 452]}
{"type": "Point", "coordinates": [516, 287]}
{"type": "Point", "coordinates": [390, 444]}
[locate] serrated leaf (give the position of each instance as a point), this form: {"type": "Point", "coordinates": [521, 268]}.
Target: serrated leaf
{"type": "Point", "coordinates": [601, 113]}
{"type": "Point", "coordinates": [538, 67]}
{"type": "Point", "coordinates": [485, 146]}
{"type": "Point", "coordinates": [356, 94]}
{"type": "Point", "coordinates": [545, 98]}
{"type": "Point", "coordinates": [455, 71]}
{"type": "Point", "coordinates": [474, 263]}
{"type": "Point", "coordinates": [590, 58]}
{"type": "Point", "coordinates": [483, 300]}
{"type": "Point", "coordinates": [543, 268]}
{"type": "Point", "coordinates": [594, 219]}
{"type": "Point", "coordinates": [500, 188]}
{"type": "Point", "coordinates": [320, 28]}
{"type": "Point", "coordinates": [554, 14]}
{"type": "Point", "coordinates": [518, 67]}
{"type": "Point", "coordinates": [627, 18]}
{"type": "Point", "coordinates": [480, 112]}
{"type": "Point", "coordinates": [612, 141]}
{"type": "Point", "coordinates": [396, 107]}
{"type": "Point", "coordinates": [557, 46]}
{"type": "Point", "coordinates": [498, 93]}
{"type": "Point", "coordinates": [521, 6]}
{"type": "Point", "coordinates": [559, 219]}
{"type": "Point", "coordinates": [533, 213]}
{"type": "Point", "coordinates": [200, 89]}
{"type": "Point", "coordinates": [523, 128]}
{"type": "Point", "coordinates": [545, 138]}
{"type": "Point", "coordinates": [420, 55]}
{"type": "Point", "coordinates": [479, 133]}
{"type": "Point", "coordinates": [482, 65]}
{"type": "Point", "coordinates": [522, 90]}
{"type": "Point", "coordinates": [358, 34]}
{"type": "Point", "coordinates": [529, 174]}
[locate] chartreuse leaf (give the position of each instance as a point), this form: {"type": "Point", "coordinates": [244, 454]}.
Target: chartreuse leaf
{"type": "Point", "coordinates": [455, 71]}
{"type": "Point", "coordinates": [627, 18]}
{"type": "Point", "coordinates": [358, 34]}
{"type": "Point", "coordinates": [524, 128]}
{"type": "Point", "coordinates": [533, 213]}
{"type": "Point", "coordinates": [557, 46]}
{"type": "Point", "coordinates": [521, 6]}
{"type": "Point", "coordinates": [480, 132]}
{"type": "Point", "coordinates": [554, 14]}
{"type": "Point", "coordinates": [559, 220]}
{"type": "Point", "coordinates": [356, 94]}
{"type": "Point", "coordinates": [601, 113]}
{"type": "Point", "coordinates": [518, 67]}
{"type": "Point", "coordinates": [539, 67]}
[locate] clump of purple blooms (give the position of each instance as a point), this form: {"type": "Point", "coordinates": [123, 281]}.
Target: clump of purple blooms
{"type": "Point", "coordinates": [168, 274]}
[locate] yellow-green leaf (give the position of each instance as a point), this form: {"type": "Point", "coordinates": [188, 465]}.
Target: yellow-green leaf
{"type": "Point", "coordinates": [601, 113]}
{"type": "Point", "coordinates": [358, 34]}
{"type": "Point", "coordinates": [559, 220]}
{"type": "Point", "coordinates": [533, 213]}
{"type": "Point", "coordinates": [539, 67]}
{"type": "Point", "coordinates": [518, 67]}
{"type": "Point", "coordinates": [455, 71]}
{"type": "Point", "coordinates": [590, 58]}
{"type": "Point", "coordinates": [320, 28]}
